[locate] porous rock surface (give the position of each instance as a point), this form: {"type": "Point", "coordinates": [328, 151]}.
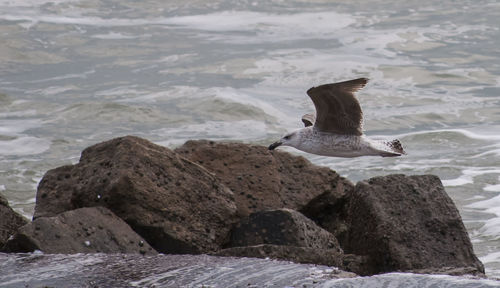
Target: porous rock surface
{"type": "Point", "coordinates": [262, 180]}
{"type": "Point", "coordinates": [191, 201]}
{"type": "Point", "coordinates": [176, 205]}
{"type": "Point", "coordinates": [407, 223]}
{"type": "Point", "coordinates": [84, 230]}
{"type": "Point", "coordinates": [281, 227]}
{"type": "Point", "coordinates": [306, 255]}
{"type": "Point", "coordinates": [10, 221]}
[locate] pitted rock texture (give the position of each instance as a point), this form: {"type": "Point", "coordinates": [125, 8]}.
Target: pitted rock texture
{"type": "Point", "coordinates": [176, 205]}
{"type": "Point", "coordinates": [329, 257]}
{"type": "Point", "coordinates": [281, 227]}
{"type": "Point", "coordinates": [84, 230]}
{"type": "Point", "coordinates": [10, 221]}
{"type": "Point", "coordinates": [262, 180]}
{"type": "Point", "coordinates": [407, 223]}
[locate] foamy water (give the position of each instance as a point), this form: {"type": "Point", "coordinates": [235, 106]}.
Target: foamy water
{"type": "Point", "coordinates": [74, 73]}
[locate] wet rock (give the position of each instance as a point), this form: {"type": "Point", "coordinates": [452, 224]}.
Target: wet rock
{"type": "Point", "coordinates": [262, 180]}
{"type": "Point", "coordinates": [306, 255]}
{"type": "Point", "coordinates": [10, 221]}
{"type": "Point", "coordinates": [84, 230]}
{"type": "Point", "coordinates": [176, 205]}
{"type": "Point", "coordinates": [132, 270]}
{"type": "Point", "coordinates": [282, 227]}
{"type": "Point", "coordinates": [358, 263]}
{"type": "Point", "coordinates": [329, 210]}
{"type": "Point", "coordinates": [283, 234]}
{"type": "Point", "coordinates": [407, 223]}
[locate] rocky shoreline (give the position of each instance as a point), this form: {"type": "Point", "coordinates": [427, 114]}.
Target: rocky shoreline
{"type": "Point", "coordinates": [128, 195]}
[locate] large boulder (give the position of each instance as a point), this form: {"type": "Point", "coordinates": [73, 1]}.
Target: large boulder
{"type": "Point", "coordinates": [281, 227]}
{"type": "Point", "coordinates": [10, 221]}
{"type": "Point", "coordinates": [306, 255]}
{"type": "Point", "coordinates": [84, 230]}
{"type": "Point", "coordinates": [284, 234]}
{"type": "Point", "coordinates": [261, 179]}
{"type": "Point", "coordinates": [407, 223]}
{"type": "Point", "coordinates": [176, 205]}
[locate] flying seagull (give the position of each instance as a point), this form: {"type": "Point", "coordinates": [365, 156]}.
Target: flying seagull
{"type": "Point", "coordinates": [337, 127]}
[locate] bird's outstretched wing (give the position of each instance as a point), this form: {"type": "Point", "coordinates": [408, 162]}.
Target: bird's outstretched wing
{"type": "Point", "coordinates": [337, 109]}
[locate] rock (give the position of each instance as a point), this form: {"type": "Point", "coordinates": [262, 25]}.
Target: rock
{"type": "Point", "coordinates": [281, 227]}
{"type": "Point", "coordinates": [329, 210]}
{"type": "Point", "coordinates": [84, 230]}
{"type": "Point", "coordinates": [407, 223]}
{"type": "Point", "coordinates": [283, 234]}
{"type": "Point", "coordinates": [328, 257]}
{"type": "Point", "coordinates": [176, 271]}
{"type": "Point", "coordinates": [358, 263]}
{"type": "Point", "coordinates": [10, 221]}
{"type": "Point", "coordinates": [262, 180]}
{"type": "Point", "coordinates": [176, 205]}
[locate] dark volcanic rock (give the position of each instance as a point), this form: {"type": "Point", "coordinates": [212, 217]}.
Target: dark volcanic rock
{"type": "Point", "coordinates": [407, 223]}
{"type": "Point", "coordinates": [10, 221]}
{"type": "Point", "coordinates": [283, 234]}
{"type": "Point", "coordinates": [84, 230]}
{"type": "Point", "coordinates": [263, 180]}
{"type": "Point", "coordinates": [176, 205]}
{"type": "Point", "coordinates": [282, 227]}
{"type": "Point", "coordinates": [176, 271]}
{"type": "Point", "coordinates": [329, 257]}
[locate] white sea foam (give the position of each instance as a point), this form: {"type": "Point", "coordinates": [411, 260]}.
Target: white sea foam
{"type": "Point", "coordinates": [216, 130]}
{"type": "Point", "coordinates": [410, 280]}
{"type": "Point", "coordinates": [492, 188]}
{"type": "Point", "coordinates": [468, 175]}
{"type": "Point", "coordinates": [115, 36]}
{"type": "Point", "coordinates": [246, 98]}
{"type": "Point", "coordinates": [491, 228]}
{"type": "Point", "coordinates": [272, 27]}
{"type": "Point", "coordinates": [53, 90]}
{"type": "Point", "coordinates": [26, 145]}
{"type": "Point", "coordinates": [32, 3]}
{"type": "Point", "coordinates": [268, 27]}
{"type": "Point", "coordinates": [13, 127]}
{"type": "Point", "coordinates": [469, 134]}
{"type": "Point", "coordinates": [457, 181]}
{"type": "Point", "coordinates": [490, 257]}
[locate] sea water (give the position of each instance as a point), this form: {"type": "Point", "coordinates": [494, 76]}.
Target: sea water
{"type": "Point", "coordinates": [77, 72]}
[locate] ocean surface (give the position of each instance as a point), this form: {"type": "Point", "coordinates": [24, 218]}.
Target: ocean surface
{"type": "Point", "coordinates": [77, 72]}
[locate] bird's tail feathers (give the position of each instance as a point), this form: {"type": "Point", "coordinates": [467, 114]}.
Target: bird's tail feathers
{"type": "Point", "coordinates": [396, 147]}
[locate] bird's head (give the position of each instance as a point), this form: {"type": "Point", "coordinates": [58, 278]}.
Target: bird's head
{"type": "Point", "coordinates": [290, 139]}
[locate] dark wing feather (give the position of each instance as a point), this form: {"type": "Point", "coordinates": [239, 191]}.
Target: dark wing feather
{"type": "Point", "coordinates": [337, 109]}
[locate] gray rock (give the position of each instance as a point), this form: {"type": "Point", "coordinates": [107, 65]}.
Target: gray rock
{"type": "Point", "coordinates": [176, 205]}
{"type": "Point", "coordinates": [328, 257]}
{"type": "Point", "coordinates": [10, 221]}
{"type": "Point", "coordinates": [282, 227]}
{"type": "Point", "coordinates": [133, 270]}
{"type": "Point", "coordinates": [407, 223]}
{"type": "Point", "coordinates": [84, 230]}
{"type": "Point", "coordinates": [263, 180]}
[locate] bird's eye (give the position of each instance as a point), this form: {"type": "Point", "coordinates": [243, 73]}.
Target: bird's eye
{"type": "Point", "coordinates": [287, 137]}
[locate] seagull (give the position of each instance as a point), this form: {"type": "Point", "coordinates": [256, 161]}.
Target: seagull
{"type": "Point", "coordinates": [336, 129]}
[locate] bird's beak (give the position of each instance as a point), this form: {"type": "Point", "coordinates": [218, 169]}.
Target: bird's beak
{"type": "Point", "coordinates": [274, 145]}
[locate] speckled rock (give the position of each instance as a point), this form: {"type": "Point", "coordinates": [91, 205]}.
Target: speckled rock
{"type": "Point", "coordinates": [408, 223]}
{"type": "Point", "coordinates": [261, 179]}
{"type": "Point", "coordinates": [176, 205]}
{"type": "Point", "coordinates": [281, 227]}
{"type": "Point", "coordinates": [10, 221]}
{"type": "Point", "coordinates": [84, 230]}
{"type": "Point", "coordinates": [306, 255]}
